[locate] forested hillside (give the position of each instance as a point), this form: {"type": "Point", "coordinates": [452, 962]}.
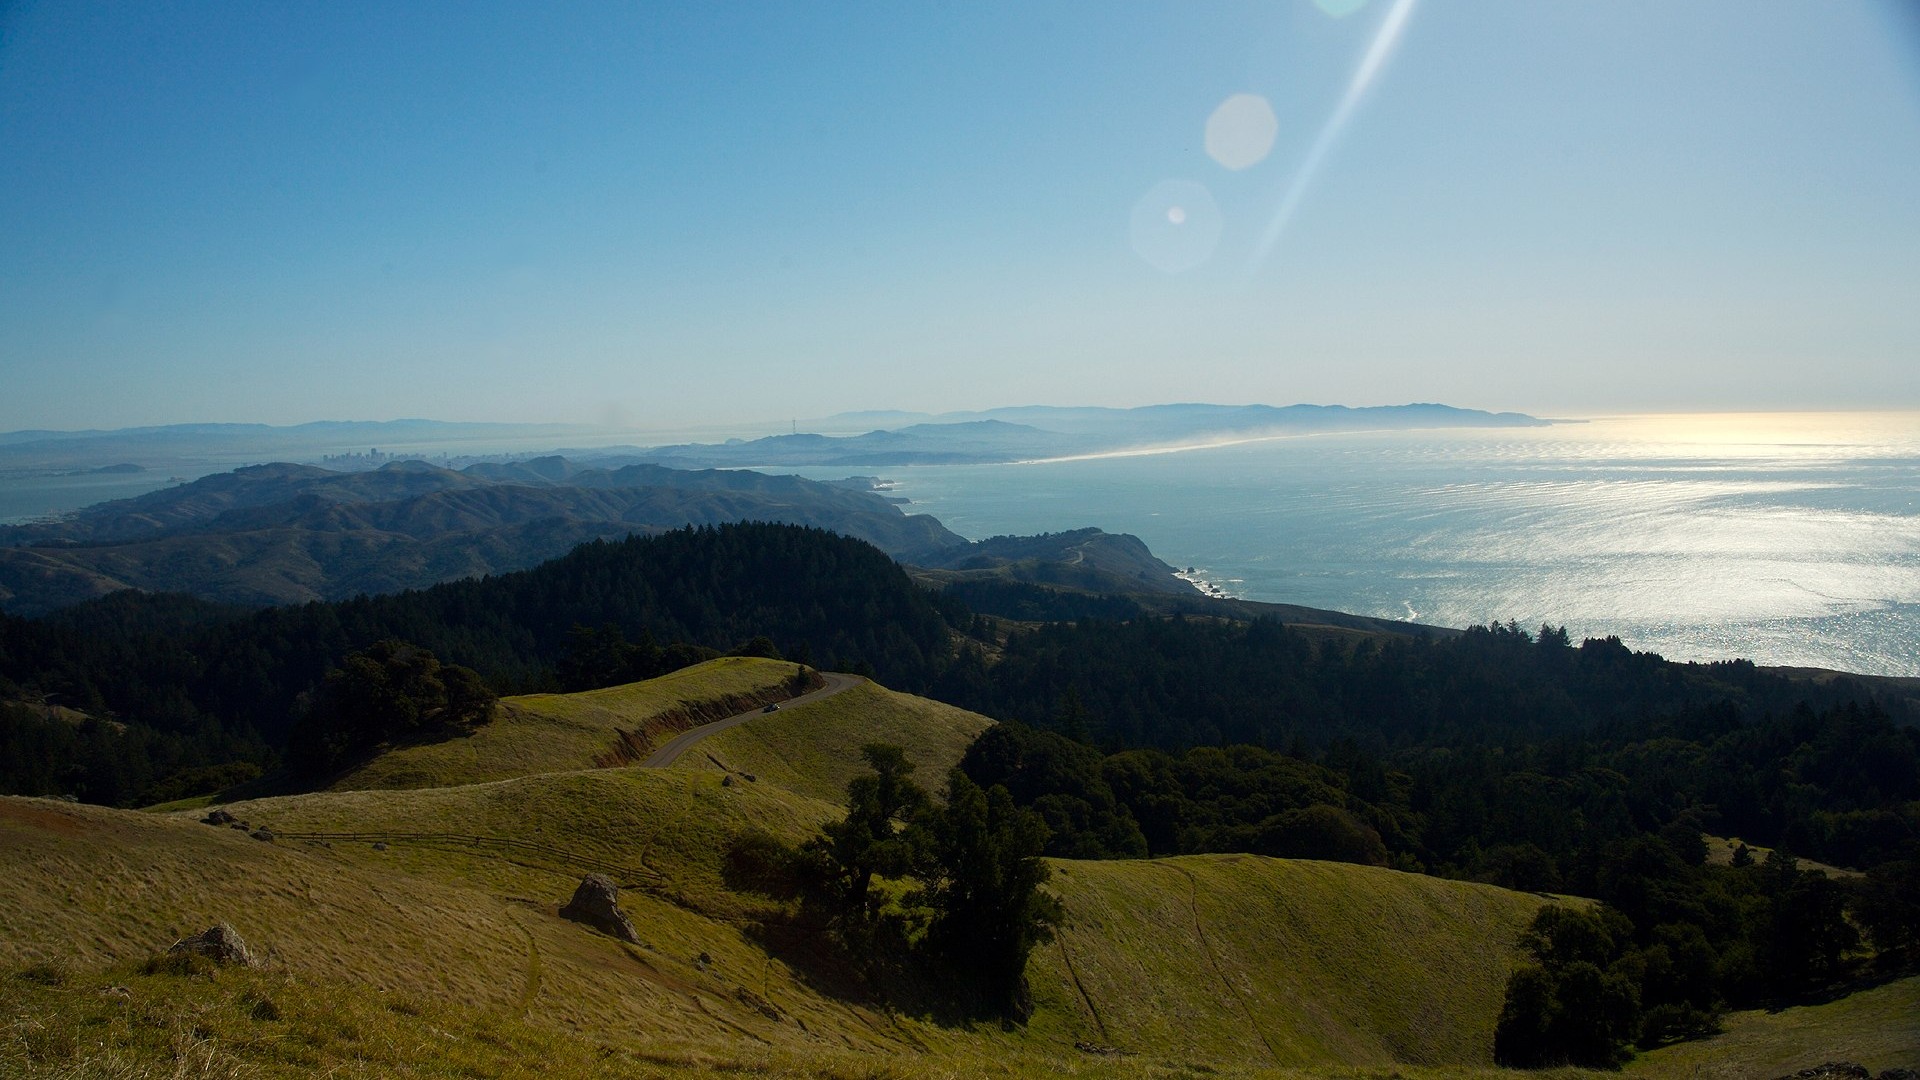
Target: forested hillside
{"type": "Point", "coordinates": [176, 684]}
{"type": "Point", "coordinates": [1504, 757]}
{"type": "Point", "coordinates": [281, 533]}
{"type": "Point", "coordinates": [1180, 682]}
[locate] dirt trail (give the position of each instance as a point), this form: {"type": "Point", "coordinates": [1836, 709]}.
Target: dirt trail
{"type": "Point", "coordinates": [679, 744]}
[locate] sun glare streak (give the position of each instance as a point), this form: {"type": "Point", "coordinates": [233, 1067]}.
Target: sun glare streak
{"type": "Point", "coordinates": [1363, 77]}
{"type": "Point", "coordinates": [1211, 444]}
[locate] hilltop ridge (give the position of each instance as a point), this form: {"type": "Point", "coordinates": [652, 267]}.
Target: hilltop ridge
{"type": "Point", "coordinates": [285, 533]}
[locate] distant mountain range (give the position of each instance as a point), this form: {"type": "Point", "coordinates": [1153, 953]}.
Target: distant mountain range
{"type": "Point", "coordinates": [284, 533]}
{"type": "Point", "coordinates": [1187, 418]}
{"type": "Point", "coordinates": [1015, 433]}
{"type": "Point", "coordinates": [1032, 432]}
{"type": "Point", "coordinates": [198, 447]}
{"type": "Point", "coordinates": [288, 533]}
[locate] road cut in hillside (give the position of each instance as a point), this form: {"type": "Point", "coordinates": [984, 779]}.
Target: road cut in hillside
{"type": "Point", "coordinates": [670, 753]}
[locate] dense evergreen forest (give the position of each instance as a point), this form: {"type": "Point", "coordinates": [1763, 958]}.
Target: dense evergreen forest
{"type": "Point", "coordinates": [1179, 682]}
{"type": "Point", "coordinates": [1501, 756]}
{"type": "Point", "coordinates": [1433, 742]}
{"type": "Point", "coordinates": [177, 685]}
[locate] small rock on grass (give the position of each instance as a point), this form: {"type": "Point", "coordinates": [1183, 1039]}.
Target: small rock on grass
{"type": "Point", "coordinates": [597, 903]}
{"type": "Point", "coordinates": [219, 943]}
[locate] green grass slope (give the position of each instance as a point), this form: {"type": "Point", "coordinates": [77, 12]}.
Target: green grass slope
{"type": "Point", "coordinates": [1287, 962]}
{"type": "Point", "coordinates": [814, 749]}
{"type": "Point", "coordinates": [1284, 962]}
{"type": "Point", "coordinates": [1877, 1028]}
{"type": "Point", "coordinates": [442, 920]}
{"type": "Point", "coordinates": [1211, 960]}
{"type": "Point", "coordinates": [1227, 964]}
{"type": "Point", "coordinates": [539, 733]}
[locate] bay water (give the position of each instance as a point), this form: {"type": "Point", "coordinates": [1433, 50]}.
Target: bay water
{"type": "Point", "coordinates": [1786, 539]}
{"type": "Point", "coordinates": [31, 498]}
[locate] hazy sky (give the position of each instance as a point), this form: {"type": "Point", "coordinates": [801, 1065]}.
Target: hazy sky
{"type": "Point", "coordinates": [652, 213]}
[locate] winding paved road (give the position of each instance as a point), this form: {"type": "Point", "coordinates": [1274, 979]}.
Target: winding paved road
{"type": "Point", "coordinates": [679, 744]}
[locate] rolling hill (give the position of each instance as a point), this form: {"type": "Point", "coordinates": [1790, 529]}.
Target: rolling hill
{"type": "Point", "coordinates": [284, 533]}
{"type": "Point", "coordinates": [539, 733]}
{"type": "Point", "coordinates": [278, 534]}
{"type": "Point", "coordinates": [1213, 962]}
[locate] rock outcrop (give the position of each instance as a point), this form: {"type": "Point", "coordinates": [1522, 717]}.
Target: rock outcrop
{"type": "Point", "coordinates": [597, 903]}
{"type": "Point", "coordinates": [219, 943]}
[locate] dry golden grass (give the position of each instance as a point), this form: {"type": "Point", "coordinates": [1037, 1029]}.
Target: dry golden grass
{"type": "Point", "coordinates": [1720, 851]}
{"type": "Point", "coordinates": [122, 1024]}
{"type": "Point", "coordinates": [814, 749]}
{"type": "Point", "coordinates": [540, 733]}
{"type": "Point", "coordinates": [1288, 962]}
{"type": "Point", "coordinates": [1878, 1028]}
{"type": "Point", "coordinates": [90, 888]}
{"type": "Point", "coordinates": [1209, 965]}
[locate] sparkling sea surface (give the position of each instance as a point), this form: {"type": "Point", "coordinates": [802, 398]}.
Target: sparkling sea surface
{"type": "Point", "coordinates": [1788, 539]}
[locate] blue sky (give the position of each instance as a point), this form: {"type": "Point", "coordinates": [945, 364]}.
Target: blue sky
{"type": "Point", "coordinates": [657, 214]}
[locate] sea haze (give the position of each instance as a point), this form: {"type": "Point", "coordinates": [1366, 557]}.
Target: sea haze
{"type": "Point", "coordinates": [26, 498]}
{"type": "Point", "coordinates": [1787, 539]}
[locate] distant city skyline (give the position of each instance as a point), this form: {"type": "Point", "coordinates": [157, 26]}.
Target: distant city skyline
{"type": "Point", "coordinates": [667, 217]}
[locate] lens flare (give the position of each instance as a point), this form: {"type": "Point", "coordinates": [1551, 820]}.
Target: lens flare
{"type": "Point", "coordinates": [1176, 226]}
{"type": "Point", "coordinates": [1369, 70]}
{"type": "Point", "coordinates": [1241, 130]}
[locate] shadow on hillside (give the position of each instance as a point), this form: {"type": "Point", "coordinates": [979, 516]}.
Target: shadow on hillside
{"type": "Point", "coordinates": [285, 780]}
{"type": "Point", "coordinates": [900, 985]}
{"type": "Point", "coordinates": [1883, 970]}
{"type": "Point", "coordinates": [801, 936]}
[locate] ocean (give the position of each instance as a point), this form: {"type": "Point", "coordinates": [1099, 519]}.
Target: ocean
{"type": "Point", "coordinates": [1785, 539]}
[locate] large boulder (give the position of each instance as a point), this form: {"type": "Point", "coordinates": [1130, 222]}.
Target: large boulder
{"type": "Point", "coordinates": [219, 943]}
{"type": "Point", "coordinates": [597, 903]}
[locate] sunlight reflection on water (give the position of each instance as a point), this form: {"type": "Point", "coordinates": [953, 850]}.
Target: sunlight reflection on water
{"type": "Point", "coordinates": [1787, 538]}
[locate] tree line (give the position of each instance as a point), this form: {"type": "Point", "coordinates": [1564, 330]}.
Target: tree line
{"type": "Point", "coordinates": [1506, 757]}
{"type": "Point", "coordinates": [178, 685]}
{"type": "Point", "coordinates": [919, 895]}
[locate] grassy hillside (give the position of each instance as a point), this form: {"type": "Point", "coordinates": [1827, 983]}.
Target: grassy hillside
{"type": "Point", "coordinates": [1288, 962]}
{"type": "Point", "coordinates": [125, 1024]}
{"type": "Point", "coordinates": [443, 921]}
{"type": "Point", "coordinates": [472, 931]}
{"type": "Point", "coordinates": [540, 733]}
{"type": "Point", "coordinates": [1878, 1028]}
{"type": "Point", "coordinates": [1720, 851]}
{"type": "Point", "coordinates": [815, 749]}
{"type": "Point", "coordinates": [439, 956]}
